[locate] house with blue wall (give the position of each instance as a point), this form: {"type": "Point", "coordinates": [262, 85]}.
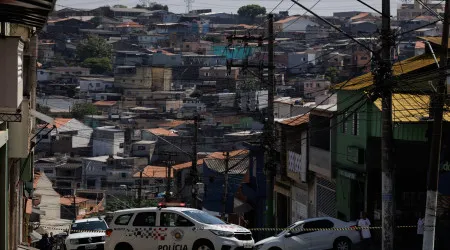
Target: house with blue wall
{"type": "Point", "coordinates": [214, 173]}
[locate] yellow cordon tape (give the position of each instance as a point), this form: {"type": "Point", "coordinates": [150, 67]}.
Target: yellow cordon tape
{"type": "Point", "coordinates": [251, 229]}
{"type": "Point", "coordinates": [323, 229]}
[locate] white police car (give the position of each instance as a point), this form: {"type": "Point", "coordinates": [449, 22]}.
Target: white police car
{"type": "Point", "coordinates": [86, 234]}
{"type": "Point", "coordinates": [168, 227]}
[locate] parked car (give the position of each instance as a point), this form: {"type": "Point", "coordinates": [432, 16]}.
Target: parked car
{"type": "Point", "coordinates": [172, 226]}
{"type": "Point", "coordinates": [86, 234]}
{"type": "Point", "coordinates": [313, 234]}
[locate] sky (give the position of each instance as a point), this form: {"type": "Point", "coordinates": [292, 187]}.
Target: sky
{"type": "Point", "coordinates": [324, 7]}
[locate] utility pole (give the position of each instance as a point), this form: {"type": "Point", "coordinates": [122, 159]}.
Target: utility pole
{"type": "Point", "coordinates": [140, 188]}
{"type": "Point", "coordinates": [269, 127]}
{"type": "Point", "coordinates": [437, 105]}
{"type": "Point", "coordinates": [383, 82]}
{"type": "Point", "coordinates": [74, 204]}
{"type": "Point", "coordinates": [225, 187]}
{"type": "Point", "coordinates": [169, 179]}
{"type": "Point", "coordinates": [194, 163]}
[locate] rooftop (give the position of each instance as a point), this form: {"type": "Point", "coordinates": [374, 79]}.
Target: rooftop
{"type": "Point", "coordinates": [153, 172]}
{"type": "Point", "coordinates": [161, 132]}
{"type": "Point", "coordinates": [410, 108]}
{"type": "Point", "coordinates": [186, 165]}
{"type": "Point", "coordinates": [69, 201]}
{"type": "Point", "coordinates": [235, 153]}
{"type": "Point", "coordinates": [398, 69]}
{"type": "Point", "coordinates": [101, 158]}
{"type": "Point", "coordinates": [105, 103]}
{"type": "Point", "coordinates": [295, 120]}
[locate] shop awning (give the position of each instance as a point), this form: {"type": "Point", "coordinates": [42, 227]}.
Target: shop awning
{"type": "Point", "coordinates": [32, 13]}
{"type": "Point", "coordinates": [35, 236]}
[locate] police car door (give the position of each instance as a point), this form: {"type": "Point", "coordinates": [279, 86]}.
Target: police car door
{"type": "Point", "coordinates": [179, 231]}
{"type": "Point", "coordinates": [145, 234]}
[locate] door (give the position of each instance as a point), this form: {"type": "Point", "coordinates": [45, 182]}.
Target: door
{"type": "Point", "coordinates": [179, 231]}
{"type": "Point", "coordinates": [322, 238]}
{"type": "Point", "coordinates": [296, 239]}
{"type": "Point", "coordinates": [144, 231]}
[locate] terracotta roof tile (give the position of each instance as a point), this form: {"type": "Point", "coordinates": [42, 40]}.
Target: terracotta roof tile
{"type": "Point", "coordinates": [161, 132]}
{"type": "Point", "coordinates": [288, 19]}
{"type": "Point", "coordinates": [360, 15]}
{"type": "Point", "coordinates": [59, 122]}
{"type": "Point", "coordinates": [186, 165]}
{"type": "Point", "coordinates": [69, 201]}
{"type": "Point", "coordinates": [153, 172]}
{"type": "Point", "coordinates": [173, 123]}
{"type": "Point", "coordinates": [296, 120]}
{"type": "Point", "coordinates": [105, 103]}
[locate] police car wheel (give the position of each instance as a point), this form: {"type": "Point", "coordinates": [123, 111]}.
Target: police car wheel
{"type": "Point", "coordinates": [123, 246]}
{"type": "Point", "coordinates": [203, 245]}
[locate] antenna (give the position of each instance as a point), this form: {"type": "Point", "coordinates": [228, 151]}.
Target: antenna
{"type": "Point", "coordinates": [188, 5]}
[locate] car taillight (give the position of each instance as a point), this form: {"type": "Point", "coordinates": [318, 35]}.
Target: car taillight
{"type": "Point", "coordinates": [108, 232]}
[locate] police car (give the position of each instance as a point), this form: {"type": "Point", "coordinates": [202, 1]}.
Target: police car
{"type": "Point", "coordinates": [173, 227]}
{"type": "Point", "coordinates": [86, 234]}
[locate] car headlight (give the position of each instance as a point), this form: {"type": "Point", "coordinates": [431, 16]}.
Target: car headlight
{"type": "Point", "coordinates": [222, 233]}
{"type": "Point", "coordinates": [103, 238]}
{"type": "Point", "coordinates": [74, 241]}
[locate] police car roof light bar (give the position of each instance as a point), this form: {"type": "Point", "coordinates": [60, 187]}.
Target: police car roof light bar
{"type": "Point", "coordinates": [168, 204]}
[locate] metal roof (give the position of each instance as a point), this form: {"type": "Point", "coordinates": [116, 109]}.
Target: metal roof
{"type": "Point", "coordinates": [27, 12]}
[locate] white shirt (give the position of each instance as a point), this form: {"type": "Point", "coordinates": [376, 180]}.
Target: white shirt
{"type": "Point", "coordinates": [365, 233]}
{"type": "Point", "coordinates": [420, 226]}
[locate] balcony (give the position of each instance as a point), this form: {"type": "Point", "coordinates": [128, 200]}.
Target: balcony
{"type": "Point", "coordinates": [320, 161]}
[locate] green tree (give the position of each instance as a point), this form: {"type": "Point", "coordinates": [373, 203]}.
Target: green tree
{"type": "Point", "coordinates": [120, 6]}
{"type": "Point", "coordinates": [94, 46]}
{"type": "Point", "coordinates": [332, 74]}
{"type": "Point", "coordinates": [157, 6]}
{"type": "Point", "coordinates": [97, 20]}
{"type": "Point", "coordinates": [79, 110]}
{"type": "Point", "coordinates": [98, 65]}
{"type": "Point", "coordinates": [251, 10]}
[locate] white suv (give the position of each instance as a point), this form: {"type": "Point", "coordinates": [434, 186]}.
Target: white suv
{"type": "Point", "coordinates": [314, 234]}
{"type": "Point", "coordinates": [86, 234]}
{"type": "Point", "coordinates": [174, 228]}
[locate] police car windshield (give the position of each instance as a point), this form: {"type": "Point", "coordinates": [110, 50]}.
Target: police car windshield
{"type": "Point", "coordinates": [203, 217]}
{"type": "Point", "coordinates": [88, 226]}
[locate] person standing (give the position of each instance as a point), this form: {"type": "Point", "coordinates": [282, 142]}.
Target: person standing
{"type": "Point", "coordinates": [420, 225]}
{"type": "Point", "coordinates": [364, 224]}
{"type": "Point", "coordinates": [44, 243]}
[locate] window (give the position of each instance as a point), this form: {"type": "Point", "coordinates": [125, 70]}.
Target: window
{"type": "Point", "coordinates": [174, 220]}
{"type": "Point", "coordinates": [344, 123]}
{"type": "Point", "coordinates": [318, 224]}
{"type": "Point", "coordinates": [203, 217]}
{"type": "Point", "coordinates": [147, 219]}
{"type": "Point", "coordinates": [363, 57]}
{"type": "Point", "coordinates": [145, 182]}
{"type": "Point", "coordinates": [48, 171]}
{"type": "Point", "coordinates": [355, 129]}
{"type": "Point", "coordinates": [88, 226]}
{"type": "Point", "coordinates": [123, 219]}
{"type": "Point", "coordinates": [121, 145]}
{"type": "Point", "coordinates": [227, 74]}
{"type": "Point", "coordinates": [141, 148]}
{"type": "Point", "coordinates": [206, 74]}
{"type": "Point", "coordinates": [97, 84]}
{"type": "Point", "coordinates": [103, 169]}
{"type": "Point", "coordinates": [124, 175]}
{"type": "Point", "coordinates": [44, 137]}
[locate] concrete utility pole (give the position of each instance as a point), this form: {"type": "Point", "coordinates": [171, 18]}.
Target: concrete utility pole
{"type": "Point", "coordinates": [383, 81]}
{"type": "Point", "coordinates": [225, 186]}
{"type": "Point", "coordinates": [139, 201]}
{"type": "Point", "coordinates": [169, 179]}
{"type": "Point", "coordinates": [194, 164]}
{"type": "Point", "coordinates": [437, 105]}
{"type": "Point", "coordinates": [269, 127]}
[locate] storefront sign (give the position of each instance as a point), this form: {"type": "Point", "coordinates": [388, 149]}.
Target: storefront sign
{"type": "Point", "coordinates": [347, 174]}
